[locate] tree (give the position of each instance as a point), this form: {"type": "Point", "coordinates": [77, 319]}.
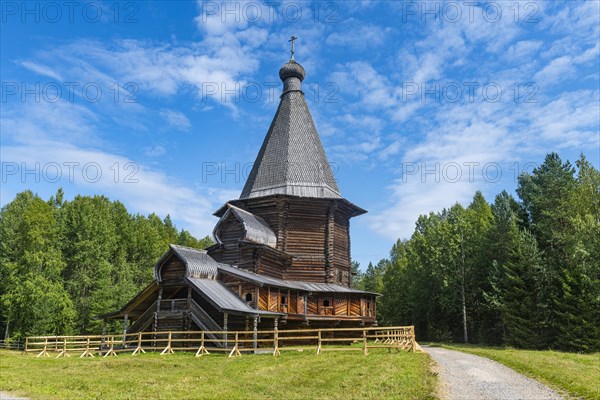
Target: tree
{"type": "Point", "coordinates": [545, 195]}
{"type": "Point", "coordinates": [502, 245]}
{"type": "Point", "coordinates": [523, 273]}
{"type": "Point", "coordinates": [356, 281]}
{"type": "Point", "coordinates": [520, 301]}
{"type": "Point", "coordinates": [34, 300]}
{"type": "Point", "coordinates": [579, 308]}
{"type": "Point", "coordinates": [372, 280]}
{"type": "Point", "coordinates": [396, 306]}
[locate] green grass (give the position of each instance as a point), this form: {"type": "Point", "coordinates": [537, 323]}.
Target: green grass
{"type": "Point", "coordinates": [575, 374]}
{"type": "Point", "coordinates": [293, 375]}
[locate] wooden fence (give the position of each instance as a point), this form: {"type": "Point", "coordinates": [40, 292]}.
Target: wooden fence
{"type": "Point", "coordinates": [231, 342]}
{"type": "Point", "coordinates": [11, 344]}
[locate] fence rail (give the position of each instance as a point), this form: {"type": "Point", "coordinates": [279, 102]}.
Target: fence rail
{"type": "Point", "coordinates": [231, 342]}
{"type": "Point", "coordinates": [11, 344]}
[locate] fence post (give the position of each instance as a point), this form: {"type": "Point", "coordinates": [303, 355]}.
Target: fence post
{"type": "Point", "coordinates": [235, 352]}
{"type": "Point", "coordinates": [202, 350]}
{"type": "Point", "coordinates": [87, 352]}
{"type": "Point", "coordinates": [276, 351]}
{"type": "Point", "coordinates": [45, 351]}
{"type": "Point", "coordinates": [139, 345]}
{"type": "Point", "coordinates": [365, 349]}
{"type": "Point", "coordinates": [319, 345]}
{"type": "Point", "coordinates": [63, 353]}
{"type": "Point", "coordinates": [111, 350]}
{"type": "Point", "coordinates": [168, 349]}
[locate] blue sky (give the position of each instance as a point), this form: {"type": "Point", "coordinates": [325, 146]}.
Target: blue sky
{"type": "Point", "coordinates": [418, 104]}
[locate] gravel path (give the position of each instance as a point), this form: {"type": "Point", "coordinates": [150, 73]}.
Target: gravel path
{"type": "Point", "coordinates": [6, 396]}
{"type": "Point", "coordinates": [465, 376]}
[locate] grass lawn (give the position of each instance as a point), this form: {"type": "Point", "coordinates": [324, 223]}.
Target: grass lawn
{"type": "Point", "coordinates": [576, 374]}
{"type": "Point", "coordinates": [293, 375]}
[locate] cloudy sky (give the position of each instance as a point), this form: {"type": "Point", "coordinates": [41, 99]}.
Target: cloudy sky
{"type": "Point", "coordinates": [164, 105]}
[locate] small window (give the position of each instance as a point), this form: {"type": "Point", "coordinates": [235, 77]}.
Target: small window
{"type": "Point", "coordinates": [283, 300]}
{"type": "Point", "coordinates": [248, 296]}
{"type": "Point", "coordinates": [340, 276]}
{"type": "Point", "coordinates": [325, 303]}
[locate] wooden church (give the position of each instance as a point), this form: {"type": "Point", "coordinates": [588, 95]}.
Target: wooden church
{"type": "Point", "coordinates": [282, 253]}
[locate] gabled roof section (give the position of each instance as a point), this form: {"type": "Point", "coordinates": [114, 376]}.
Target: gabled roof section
{"type": "Point", "coordinates": [197, 262]}
{"type": "Point", "coordinates": [222, 298]}
{"type": "Point", "coordinates": [200, 266]}
{"type": "Point", "coordinates": [291, 160]}
{"type": "Point", "coordinates": [256, 230]}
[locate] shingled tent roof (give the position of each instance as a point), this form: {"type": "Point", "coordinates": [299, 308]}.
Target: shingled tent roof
{"type": "Point", "coordinates": [291, 160]}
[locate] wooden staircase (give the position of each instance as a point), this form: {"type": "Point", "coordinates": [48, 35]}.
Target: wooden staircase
{"type": "Point", "coordinates": [176, 315]}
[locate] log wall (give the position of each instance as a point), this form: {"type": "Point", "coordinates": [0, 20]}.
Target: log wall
{"type": "Point", "coordinates": [316, 232]}
{"type": "Point", "coordinates": [231, 230]}
{"type": "Point", "coordinates": [172, 272]}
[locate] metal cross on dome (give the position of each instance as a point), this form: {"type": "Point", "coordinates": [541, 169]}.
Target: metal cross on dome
{"type": "Point", "coordinates": [292, 40]}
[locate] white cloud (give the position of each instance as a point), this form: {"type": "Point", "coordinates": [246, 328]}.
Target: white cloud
{"type": "Point", "coordinates": [358, 36]}
{"type": "Point", "coordinates": [42, 70]}
{"type": "Point", "coordinates": [360, 78]}
{"type": "Point", "coordinates": [557, 70]}
{"type": "Point", "coordinates": [141, 188]}
{"type": "Point", "coordinates": [50, 136]}
{"type": "Point", "coordinates": [155, 151]}
{"type": "Point", "coordinates": [524, 50]}
{"type": "Point", "coordinates": [176, 119]}
{"type": "Point", "coordinates": [391, 150]}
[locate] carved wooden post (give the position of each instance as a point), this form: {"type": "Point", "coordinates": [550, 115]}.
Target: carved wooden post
{"type": "Point", "coordinates": [225, 317]}
{"type": "Point", "coordinates": [329, 238]}
{"type": "Point", "coordinates": [255, 334]}
{"type": "Point", "coordinates": [103, 335]}
{"type": "Point", "coordinates": [305, 301]}
{"type": "Point", "coordinates": [155, 325]}
{"type": "Point", "coordinates": [125, 329]}
{"type": "Point", "coordinates": [276, 338]}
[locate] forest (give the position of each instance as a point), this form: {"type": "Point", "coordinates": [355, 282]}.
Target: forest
{"type": "Point", "coordinates": [64, 262]}
{"type": "Point", "coordinates": [521, 272]}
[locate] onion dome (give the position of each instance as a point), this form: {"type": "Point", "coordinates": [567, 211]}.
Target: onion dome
{"type": "Point", "coordinates": [291, 70]}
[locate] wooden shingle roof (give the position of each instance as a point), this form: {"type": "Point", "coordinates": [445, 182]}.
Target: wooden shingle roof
{"type": "Point", "coordinates": [314, 287]}
{"type": "Point", "coordinates": [256, 230]}
{"type": "Point", "coordinates": [197, 262]}
{"type": "Point", "coordinates": [291, 160]}
{"type": "Point", "coordinates": [222, 298]}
